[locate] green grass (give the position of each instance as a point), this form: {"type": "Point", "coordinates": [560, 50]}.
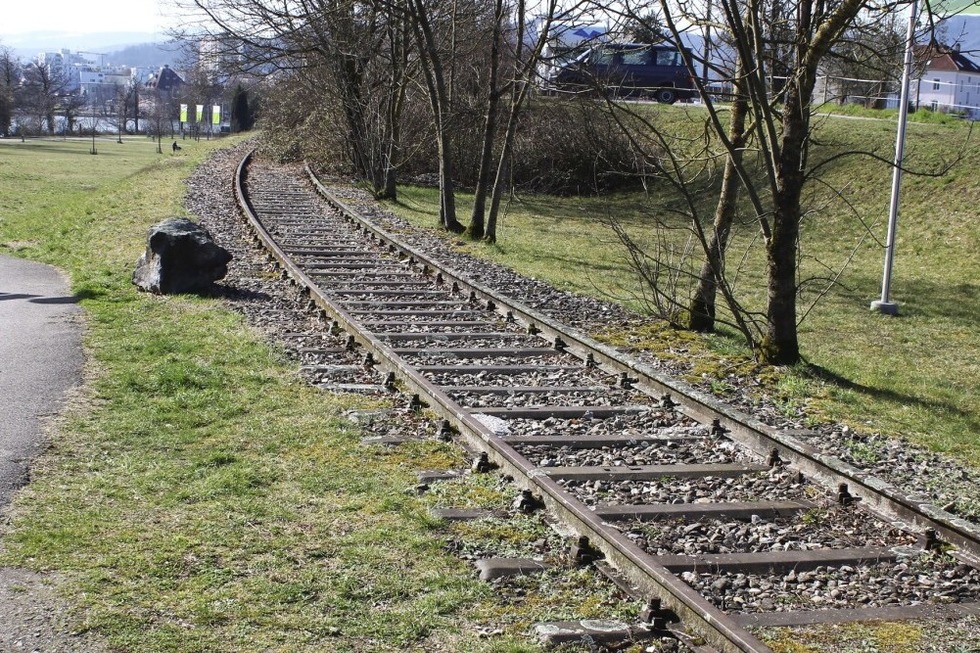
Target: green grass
{"type": "Point", "coordinates": [922, 115]}
{"type": "Point", "coordinates": [198, 496]}
{"type": "Point", "coordinates": [916, 375]}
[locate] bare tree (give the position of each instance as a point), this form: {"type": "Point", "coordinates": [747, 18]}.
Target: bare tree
{"type": "Point", "coordinates": [70, 106]}
{"type": "Point", "coordinates": [350, 57]}
{"type": "Point", "coordinates": [784, 139]}
{"type": "Point", "coordinates": [867, 63]}
{"type": "Point", "coordinates": [120, 109]}
{"type": "Point", "coordinates": [512, 45]}
{"type": "Point", "coordinates": [494, 91]}
{"type": "Point", "coordinates": [131, 102]}
{"type": "Point", "coordinates": [425, 19]}
{"type": "Point", "coordinates": [40, 93]}
{"type": "Point", "coordinates": [526, 60]}
{"type": "Point", "coordinates": [702, 312]}
{"type": "Point", "coordinates": [160, 117]}
{"type": "Point", "coordinates": [779, 45]}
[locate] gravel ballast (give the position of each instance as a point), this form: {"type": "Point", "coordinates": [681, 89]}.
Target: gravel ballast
{"type": "Point", "coordinates": [275, 308]}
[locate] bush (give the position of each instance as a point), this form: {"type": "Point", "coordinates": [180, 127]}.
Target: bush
{"type": "Point", "coordinates": [572, 147]}
{"type": "Point", "coordinates": [563, 146]}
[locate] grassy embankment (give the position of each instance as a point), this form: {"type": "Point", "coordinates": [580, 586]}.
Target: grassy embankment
{"type": "Point", "coordinates": [198, 496]}
{"type": "Point", "coordinates": [916, 375]}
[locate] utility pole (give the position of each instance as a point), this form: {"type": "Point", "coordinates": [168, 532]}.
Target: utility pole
{"type": "Point", "coordinates": [885, 305]}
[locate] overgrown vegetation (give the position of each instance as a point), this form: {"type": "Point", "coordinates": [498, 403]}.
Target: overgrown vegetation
{"type": "Point", "coordinates": [562, 147]}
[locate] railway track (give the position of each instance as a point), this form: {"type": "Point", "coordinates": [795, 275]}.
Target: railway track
{"type": "Point", "coordinates": [725, 523]}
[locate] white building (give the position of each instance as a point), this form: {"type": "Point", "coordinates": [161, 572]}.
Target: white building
{"type": "Point", "coordinates": [950, 82]}
{"type": "Point", "coordinates": [90, 79]}
{"type": "Point", "coordinates": [101, 85]}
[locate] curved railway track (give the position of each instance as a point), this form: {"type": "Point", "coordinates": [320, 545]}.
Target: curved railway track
{"type": "Point", "coordinates": [724, 521]}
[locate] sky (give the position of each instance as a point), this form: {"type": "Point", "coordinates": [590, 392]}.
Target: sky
{"type": "Point", "coordinates": [76, 18]}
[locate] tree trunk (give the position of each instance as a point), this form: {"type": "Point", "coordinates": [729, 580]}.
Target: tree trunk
{"type": "Point", "coordinates": [476, 229]}
{"type": "Point", "coordinates": [503, 167]}
{"type": "Point", "coordinates": [398, 39]}
{"type": "Point", "coordinates": [389, 164]}
{"type": "Point", "coordinates": [780, 345]}
{"type": "Point", "coordinates": [518, 95]}
{"type": "Point", "coordinates": [702, 308]}
{"type": "Point", "coordinates": [447, 189]}
{"type": "Point", "coordinates": [393, 149]}
{"type": "Point", "coordinates": [350, 77]}
{"type": "Point", "coordinates": [503, 170]}
{"type": "Point", "coordinates": [439, 100]}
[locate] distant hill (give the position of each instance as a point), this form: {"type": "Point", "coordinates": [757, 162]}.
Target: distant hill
{"type": "Point", "coordinates": [29, 44]}
{"type": "Point", "coordinates": [146, 55]}
{"type": "Point", "coordinates": [140, 49]}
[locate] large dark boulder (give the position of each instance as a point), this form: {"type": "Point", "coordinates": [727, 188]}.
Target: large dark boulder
{"type": "Point", "coordinates": [180, 257]}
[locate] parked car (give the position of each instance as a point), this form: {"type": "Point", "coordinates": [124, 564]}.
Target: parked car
{"type": "Point", "coordinates": [627, 70]}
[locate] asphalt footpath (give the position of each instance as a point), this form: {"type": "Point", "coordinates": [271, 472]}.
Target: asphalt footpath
{"type": "Point", "coordinates": [40, 360]}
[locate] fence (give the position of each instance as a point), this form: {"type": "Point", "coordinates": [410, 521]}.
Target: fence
{"type": "Point", "coordinates": [945, 96]}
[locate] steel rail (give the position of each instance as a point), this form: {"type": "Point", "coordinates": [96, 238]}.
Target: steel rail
{"type": "Point", "coordinates": [642, 570]}
{"type": "Point", "coordinates": [652, 579]}
{"type": "Point", "coordinates": [875, 494]}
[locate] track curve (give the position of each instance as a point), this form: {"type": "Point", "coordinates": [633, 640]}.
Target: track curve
{"type": "Point", "coordinates": [497, 371]}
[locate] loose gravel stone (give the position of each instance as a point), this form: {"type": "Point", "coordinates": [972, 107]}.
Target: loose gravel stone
{"type": "Point", "coordinates": [820, 528]}
{"type": "Point", "coordinates": [916, 580]}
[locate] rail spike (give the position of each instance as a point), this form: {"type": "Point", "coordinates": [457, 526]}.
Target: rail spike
{"type": "Point", "coordinates": [527, 503]}
{"type": "Point", "coordinates": [482, 464]}
{"type": "Point", "coordinates": [445, 432]}
{"type": "Point", "coordinates": [583, 553]}
{"type": "Point", "coordinates": [415, 404]}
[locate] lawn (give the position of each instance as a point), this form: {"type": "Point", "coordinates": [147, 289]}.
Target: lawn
{"type": "Point", "coordinates": [198, 496]}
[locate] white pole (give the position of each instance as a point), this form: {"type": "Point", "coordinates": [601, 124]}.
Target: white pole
{"type": "Point", "coordinates": [884, 305]}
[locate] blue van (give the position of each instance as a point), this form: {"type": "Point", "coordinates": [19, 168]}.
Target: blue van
{"type": "Point", "coordinates": [627, 70]}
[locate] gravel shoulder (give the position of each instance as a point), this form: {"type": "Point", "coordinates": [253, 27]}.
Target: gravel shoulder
{"type": "Point", "coordinates": [34, 618]}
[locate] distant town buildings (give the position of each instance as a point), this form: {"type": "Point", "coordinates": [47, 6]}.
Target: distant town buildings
{"type": "Point", "coordinates": [60, 88]}
{"type": "Point", "coordinates": [78, 72]}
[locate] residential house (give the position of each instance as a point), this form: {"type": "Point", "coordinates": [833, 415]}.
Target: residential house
{"type": "Point", "coordinates": [167, 81]}
{"type": "Point", "coordinates": [950, 82]}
